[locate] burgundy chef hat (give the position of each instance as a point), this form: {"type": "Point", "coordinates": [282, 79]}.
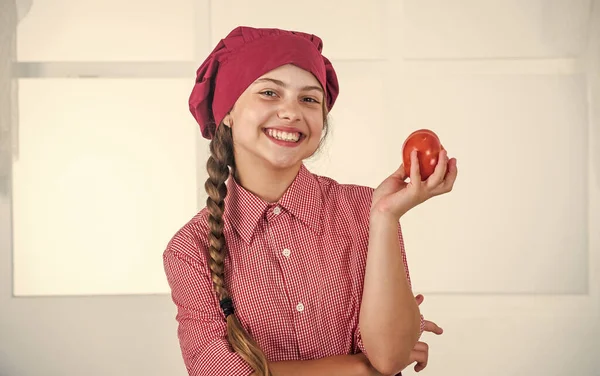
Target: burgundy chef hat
{"type": "Point", "coordinates": [243, 56]}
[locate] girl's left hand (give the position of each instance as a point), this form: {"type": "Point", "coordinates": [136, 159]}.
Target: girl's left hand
{"type": "Point", "coordinates": [420, 353]}
{"type": "Point", "coordinates": [394, 196]}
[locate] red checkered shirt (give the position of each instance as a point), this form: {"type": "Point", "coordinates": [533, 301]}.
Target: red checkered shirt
{"type": "Point", "coordinates": [295, 272]}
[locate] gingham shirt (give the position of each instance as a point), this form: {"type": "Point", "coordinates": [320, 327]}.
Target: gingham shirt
{"type": "Point", "coordinates": [295, 272]}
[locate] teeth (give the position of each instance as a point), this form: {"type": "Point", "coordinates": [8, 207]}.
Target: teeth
{"type": "Point", "coordinates": [284, 136]}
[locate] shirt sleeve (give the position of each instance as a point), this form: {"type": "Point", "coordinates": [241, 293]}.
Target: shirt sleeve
{"type": "Point", "coordinates": [202, 329]}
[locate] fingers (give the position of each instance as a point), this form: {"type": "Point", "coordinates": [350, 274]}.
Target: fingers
{"type": "Point", "coordinates": [421, 346]}
{"type": "Point", "coordinates": [419, 298]}
{"type": "Point", "coordinates": [440, 170]}
{"type": "Point", "coordinates": [428, 326]}
{"type": "Point", "coordinates": [420, 354]}
{"type": "Point", "coordinates": [452, 172]}
{"type": "Point", "coordinates": [450, 178]}
{"type": "Point", "coordinates": [415, 173]}
{"type": "Point", "coordinates": [443, 177]}
{"type": "Point", "coordinates": [400, 173]}
{"type": "Point", "coordinates": [432, 327]}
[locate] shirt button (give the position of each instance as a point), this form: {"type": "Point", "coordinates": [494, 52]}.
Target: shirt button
{"type": "Point", "coordinates": [300, 307]}
{"type": "Point", "coordinates": [286, 252]}
{"type": "Point", "coordinates": [276, 210]}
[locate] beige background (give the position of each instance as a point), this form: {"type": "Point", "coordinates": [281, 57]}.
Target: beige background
{"type": "Point", "coordinates": [110, 165]}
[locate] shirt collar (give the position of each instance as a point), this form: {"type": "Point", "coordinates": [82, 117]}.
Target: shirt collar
{"type": "Point", "coordinates": [303, 200]}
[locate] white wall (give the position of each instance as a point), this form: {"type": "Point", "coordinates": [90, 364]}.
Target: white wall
{"type": "Point", "coordinates": [109, 167]}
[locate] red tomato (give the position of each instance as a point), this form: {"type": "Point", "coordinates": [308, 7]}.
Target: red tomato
{"type": "Point", "coordinates": [428, 147]}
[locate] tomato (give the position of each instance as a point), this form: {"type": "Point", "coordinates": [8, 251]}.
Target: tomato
{"type": "Point", "coordinates": [428, 147]}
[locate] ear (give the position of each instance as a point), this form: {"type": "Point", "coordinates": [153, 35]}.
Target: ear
{"type": "Point", "coordinates": [227, 120]}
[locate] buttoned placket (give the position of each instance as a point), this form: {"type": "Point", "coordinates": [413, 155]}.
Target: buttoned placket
{"type": "Point", "coordinates": [284, 256]}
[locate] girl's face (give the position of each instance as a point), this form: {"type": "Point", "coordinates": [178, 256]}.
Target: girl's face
{"type": "Point", "coordinates": [278, 121]}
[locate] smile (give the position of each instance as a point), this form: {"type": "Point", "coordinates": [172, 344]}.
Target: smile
{"type": "Point", "coordinates": [284, 136]}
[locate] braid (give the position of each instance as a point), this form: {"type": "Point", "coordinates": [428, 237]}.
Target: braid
{"type": "Point", "coordinates": [221, 149]}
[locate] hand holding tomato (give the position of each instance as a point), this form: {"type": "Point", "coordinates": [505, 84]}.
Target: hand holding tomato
{"type": "Point", "coordinates": [394, 196]}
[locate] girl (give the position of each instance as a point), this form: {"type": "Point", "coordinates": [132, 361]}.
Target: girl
{"type": "Point", "coordinates": [286, 272]}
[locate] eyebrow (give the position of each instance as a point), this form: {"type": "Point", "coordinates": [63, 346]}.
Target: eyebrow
{"type": "Point", "coordinates": [284, 85]}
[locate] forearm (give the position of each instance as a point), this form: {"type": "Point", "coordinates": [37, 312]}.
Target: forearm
{"type": "Point", "coordinates": [342, 365]}
{"type": "Point", "coordinates": [389, 315]}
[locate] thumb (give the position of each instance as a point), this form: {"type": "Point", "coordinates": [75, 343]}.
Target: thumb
{"type": "Point", "coordinates": [400, 173]}
{"type": "Point", "coordinates": [419, 298]}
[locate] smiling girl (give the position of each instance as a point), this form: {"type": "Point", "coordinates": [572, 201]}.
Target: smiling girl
{"type": "Point", "coordinates": [286, 272]}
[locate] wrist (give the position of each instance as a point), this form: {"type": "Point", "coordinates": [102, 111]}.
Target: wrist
{"type": "Point", "coordinates": [383, 217]}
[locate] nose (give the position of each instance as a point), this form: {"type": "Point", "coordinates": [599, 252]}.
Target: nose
{"type": "Point", "coordinates": [289, 110]}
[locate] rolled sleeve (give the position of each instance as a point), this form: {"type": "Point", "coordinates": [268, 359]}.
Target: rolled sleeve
{"type": "Point", "coordinates": [202, 329]}
{"type": "Point", "coordinates": [360, 347]}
